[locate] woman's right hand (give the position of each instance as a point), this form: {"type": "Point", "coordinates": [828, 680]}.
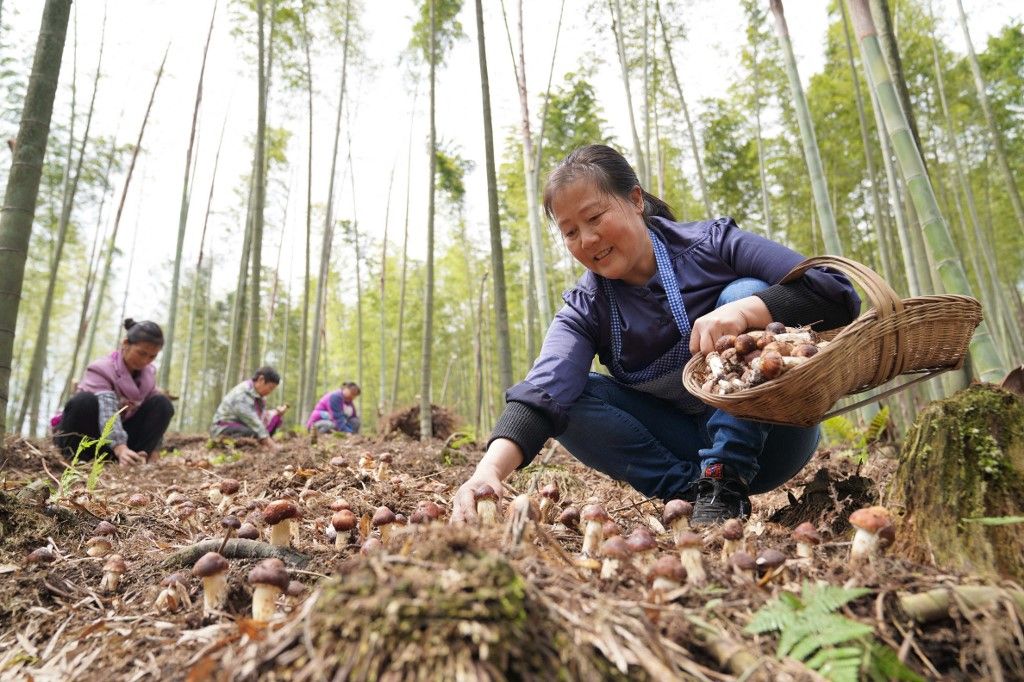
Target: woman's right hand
{"type": "Point", "coordinates": [127, 457]}
{"type": "Point", "coordinates": [464, 502]}
{"type": "Point", "coordinates": [500, 460]}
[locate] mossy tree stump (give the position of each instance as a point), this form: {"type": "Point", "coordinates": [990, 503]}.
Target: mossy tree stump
{"type": "Point", "coordinates": [963, 458]}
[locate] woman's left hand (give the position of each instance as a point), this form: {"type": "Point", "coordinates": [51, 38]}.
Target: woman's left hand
{"type": "Point", "coordinates": [732, 318]}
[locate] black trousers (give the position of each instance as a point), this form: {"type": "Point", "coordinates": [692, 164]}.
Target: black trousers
{"type": "Point", "coordinates": [81, 419]}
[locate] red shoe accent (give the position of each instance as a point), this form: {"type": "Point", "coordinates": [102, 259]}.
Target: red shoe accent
{"type": "Point", "coordinates": [716, 470]}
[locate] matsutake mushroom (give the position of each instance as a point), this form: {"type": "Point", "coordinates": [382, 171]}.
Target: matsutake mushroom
{"type": "Point", "coordinates": [269, 579]}
{"type": "Point", "coordinates": [486, 504]}
{"type": "Point", "coordinates": [594, 516]}
{"type": "Point", "coordinates": [279, 515]}
{"type": "Point", "coordinates": [113, 569]}
{"type": "Point", "coordinates": [212, 569]}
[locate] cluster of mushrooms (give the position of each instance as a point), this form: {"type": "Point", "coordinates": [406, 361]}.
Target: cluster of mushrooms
{"type": "Point", "coordinates": [757, 356]}
{"type": "Point", "coordinates": [604, 550]}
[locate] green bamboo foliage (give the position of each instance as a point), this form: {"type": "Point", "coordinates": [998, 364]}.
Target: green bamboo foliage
{"type": "Point", "coordinates": [818, 185]}
{"type": "Point", "coordinates": [908, 155]}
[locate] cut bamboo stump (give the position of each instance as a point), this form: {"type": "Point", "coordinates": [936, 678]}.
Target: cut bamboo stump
{"type": "Point", "coordinates": [963, 459]}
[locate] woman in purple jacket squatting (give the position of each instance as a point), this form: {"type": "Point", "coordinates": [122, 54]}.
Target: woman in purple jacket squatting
{"type": "Point", "coordinates": [125, 379]}
{"type": "Point", "coordinates": [336, 410]}
{"type": "Point", "coordinates": [655, 292]}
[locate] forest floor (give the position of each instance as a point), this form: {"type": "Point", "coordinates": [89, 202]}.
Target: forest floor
{"type": "Point", "coordinates": [444, 603]}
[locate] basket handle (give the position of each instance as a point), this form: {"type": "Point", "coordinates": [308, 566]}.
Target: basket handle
{"type": "Point", "coordinates": [882, 297]}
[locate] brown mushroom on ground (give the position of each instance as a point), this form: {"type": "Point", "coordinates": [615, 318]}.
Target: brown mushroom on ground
{"type": "Point", "coordinates": [744, 566]}
{"type": "Point", "coordinates": [666, 574]}
{"type": "Point", "coordinates": [279, 515]}
{"type": "Point", "coordinates": [337, 461]}
{"type": "Point", "coordinates": [98, 546]}
{"type": "Point", "coordinates": [732, 538]}
{"type": "Point", "coordinates": [569, 519]}
{"type": "Point", "coordinates": [383, 470]}
{"type": "Point", "coordinates": [594, 516]}
{"type": "Point", "coordinates": [642, 545]}
{"type": "Point", "coordinates": [610, 528]}
{"type": "Point", "coordinates": [383, 518]}
{"type": "Point", "coordinates": [105, 528]}
{"type": "Point", "coordinates": [247, 531]}
{"type": "Point", "coordinates": [138, 500]}
{"type": "Point", "coordinates": [371, 546]}
{"type": "Point", "coordinates": [231, 525]}
{"type": "Point", "coordinates": [365, 466]}
{"type": "Point", "coordinates": [676, 517]}
{"type": "Point", "coordinates": [807, 538]}
{"type": "Point", "coordinates": [486, 504]}
{"type": "Point", "coordinates": [212, 569]}
{"type": "Point", "coordinates": [522, 516]}
{"type": "Point", "coordinates": [614, 552]}
{"type": "Point", "coordinates": [228, 489]}
{"type": "Point", "coordinates": [269, 579]}
{"type": "Point", "coordinates": [431, 511]}
{"type": "Point", "coordinates": [113, 569]}
{"type": "Point", "coordinates": [343, 521]}
{"type": "Point", "coordinates": [41, 555]}
{"type": "Point", "coordinates": [549, 496]}
{"type": "Point", "coordinates": [294, 592]}
{"type": "Point", "coordinates": [689, 545]}
{"type": "Point", "coordinates": [771, 564]}
{"type": "Point", "coordinates": [174, 594]}
{"type": "Point", "coordinates": [868, 522]}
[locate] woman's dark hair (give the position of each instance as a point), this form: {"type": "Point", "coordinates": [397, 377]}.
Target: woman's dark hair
{"type": "Point", "coordinates": [609, 170]}
{"type": "Point", "coordinates": [143, 332]}
{"type": "Point", "coordinates": [269, 374]}
{"type": "Point", "coordinates": [353, 385]}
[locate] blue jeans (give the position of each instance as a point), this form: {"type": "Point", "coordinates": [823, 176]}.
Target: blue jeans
{"type": "Point", "coordinates": [659, 450]}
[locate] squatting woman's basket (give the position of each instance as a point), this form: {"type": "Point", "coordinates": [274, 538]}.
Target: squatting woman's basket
{"type": "Point", "coordinates": [923, 335]}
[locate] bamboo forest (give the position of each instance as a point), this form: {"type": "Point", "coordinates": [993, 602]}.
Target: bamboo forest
{"type": "Point", "coordinates": [508, 339]}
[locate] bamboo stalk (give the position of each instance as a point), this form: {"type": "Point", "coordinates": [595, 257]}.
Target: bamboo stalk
{"type": "Point", "coordinates": [927, 607]}
{"type": "Point", "coordinates": [426, 418]}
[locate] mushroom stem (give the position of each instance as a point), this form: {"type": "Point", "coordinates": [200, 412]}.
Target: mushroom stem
{"type": "Point", "coordinates": [609, 568]}
{"type": "Point", "coordinates": [691, 561]}
{"type": "Point", "coordinates": [865, 544]}
{"type": "Point", "coordinates": [487, 510]}
{"type": "Point", "coordinates": [110, 581]}
{"type": "Point", "coordinates": [215, 590]}
{"type": "Point", "coordinates": [227, 536]}
{"type": "Point", "coordinates": [264, 599]}
{"type": "Point", "coordinates": [385, 533]}
{"type": "Point", "coordinates": [729, 547]}
{"type": "Point", "coordinates": [281, 534]}
{"type": "Point", "coordinates": [340, 541]}
{"type": "Point", "coordinates": [592, 537]}
{"type": "Point", "coordinates": [805, 550]}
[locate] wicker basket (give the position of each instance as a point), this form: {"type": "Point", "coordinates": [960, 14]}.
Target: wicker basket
{"type": "Point", "coordinates": [924, 335]}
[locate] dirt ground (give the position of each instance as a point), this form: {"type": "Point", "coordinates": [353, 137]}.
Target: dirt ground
{"type": "Point", "coordinates": [56, 623]}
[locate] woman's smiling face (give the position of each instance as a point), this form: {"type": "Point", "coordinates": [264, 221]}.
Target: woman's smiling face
{"type": "Point", "coordinates": [604, 232]}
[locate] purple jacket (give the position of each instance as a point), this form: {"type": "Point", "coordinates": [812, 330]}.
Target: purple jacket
{"type": "Point", "coordinates": [707, 256]}
{"type": "Point", "coordinates": [111, 374]}
{"type": "Point", "coordinates": [332, 406]}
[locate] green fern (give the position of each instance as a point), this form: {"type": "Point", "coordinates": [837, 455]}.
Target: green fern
{"type": "Point", "coordinates": [841, 431]}
{"type": "Point", "coordinates": [835, 646]}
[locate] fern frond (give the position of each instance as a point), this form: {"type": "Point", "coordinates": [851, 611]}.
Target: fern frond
{"type": "Point", "coordinates": [826, 598]}
{"type": "Point", "coordinates": [826, 631]}
{"type": "Point", "coordinates": [884, 665]}
{"type": "Point", "coordinates": [840, 430]}
{"type": "Point", "coordinates": [877, 425]}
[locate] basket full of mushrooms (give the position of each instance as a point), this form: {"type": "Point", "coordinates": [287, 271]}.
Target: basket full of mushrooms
{"type": "Point", "coordinates": [795, 376]}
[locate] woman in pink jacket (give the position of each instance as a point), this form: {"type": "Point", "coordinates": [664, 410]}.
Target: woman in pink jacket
{"type": "Point", "coordinates": [336, 410]}
{"type": "Point", "coordinates": [122, 387]}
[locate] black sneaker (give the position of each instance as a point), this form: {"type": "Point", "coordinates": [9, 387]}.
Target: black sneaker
{"type": "Point", "coordinates": [718, 496]}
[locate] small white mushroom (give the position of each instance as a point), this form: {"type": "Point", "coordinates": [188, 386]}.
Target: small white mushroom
{"type": "Point", "coordinates": [614, 552]}
{"type": "Point", "coordinates": [486, 504]}
{"type": "Point", "coordinates": [868, 522]}
{"type": "Point", "coordinates": [594, 516]}
{"type": "Point", "coordinates": [212, 569]}
{"type": "Point", "coordinates": [807, 538]}
{"type": "Point", "coordinates": [689, 545]}
{"type": "Point", "coordinates": [113, 569]}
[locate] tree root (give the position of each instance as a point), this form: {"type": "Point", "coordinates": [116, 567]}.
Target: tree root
{"type": "Point", "coordinates": [234, 549]}
{"type": "Point", "coordinates": [731, 655]}
{"type": "Point", "coordinates": [935, 604]}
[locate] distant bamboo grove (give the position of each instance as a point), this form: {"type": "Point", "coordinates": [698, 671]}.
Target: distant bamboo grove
{"type": "Point", "coordinates": [900, 153]}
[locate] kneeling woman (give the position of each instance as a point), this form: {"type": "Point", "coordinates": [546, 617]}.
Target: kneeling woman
{"type": "Point", "coordinates": [124, 380]}
{"type": "Point", "coordinates": [336, 410]}
{"type": "Point", "coordinates": [243, 411]}
{"type": "Point", "coordinates": [655, 292]}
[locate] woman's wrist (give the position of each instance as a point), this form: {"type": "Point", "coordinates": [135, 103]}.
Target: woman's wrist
{"type": "Point", "coordinates": [501, 458]}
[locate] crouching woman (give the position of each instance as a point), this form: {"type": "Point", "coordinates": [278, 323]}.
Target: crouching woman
{"type": "Point", "coordinates": [243, 411]}
{"type": "Point", "coordinates": [120, 387]}
{"type": "Point", "coordinates": [336, 410]}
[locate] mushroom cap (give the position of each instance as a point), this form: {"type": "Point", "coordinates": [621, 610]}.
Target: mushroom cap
{"type": "Point", "coordinates": [230, 521]}
{"type": "Point", "coordinates": [668, 567]}
{"type": "Point", "coordinates": [295, 588]}
{"type": "Point", "coordinates": [343, 520]}
{"type": "Point", "coordinates": [776, 328]}
{"type": "Point", "coordinates": [615, 547]}
{"type": "Point", "coordinates": [371, 546]}
{"type": "Point", "coordinates": [105, 528]}
{"type": "Point", "coordinates": [675, 510]}
{"type": "Point", "coordinates": [418, 517]}
{"type": "Point", "coordinates": [732, 529]}
{"type": "Point", "coordinates": [385, 457]}
{"type": "Point", "coordinates": [115, 564]}
{"type": "Point", "coordinates": [870, 519]}
{"type": "Point", "coordinates": [570, 517]}
{"type": "Point", "coordinates": [337, 461]}
{"type": "Point", "coordinates": [229, 486]}
{"type": "Point", "coordinates": [98, 540]}
{"type": "Point", "coordinates": [484, 492]}
{"type": "Point", "coordinates": [176, 498]}
{"type": "Point", "coordinates": [383, 516]}
{"type": "Point", "coordinates": [340, 504]}
{"type": "Point", "coordinates": [551, 492]}
{"type": "Point", "coordinates": [743, 561]}
{"type": "Point", "coordinates": [594, 512]}
{"type": "Point", "coordinates": [270, 572]}
{"type": "Point", "coordinates": [41, 555]}
{"type": "Point", "coordinates": [209, 564]}
{"type": "Point", "coordinates": [279, 510]}
{"type": "Point", "coordinates": [138, 500]}
{"type": "Point", "coordinates": [609, 528]}
{"type": "Point", "coordinates": [641, 540]}
{"type": "Point", "coordinates": [430, 509]}
{"type": "Point", "coordinates": [178, 577]}
{"type": "Point", "coordinates": [688, 539]}
{"type": "Point", "coordinates": [805, 350]}
{"type": "Point", "coordinates": [770, 558]}
{"type": "Point", "coordinates": [807, 534]}
{"type": "Point", "coordinates": [248, 532]}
